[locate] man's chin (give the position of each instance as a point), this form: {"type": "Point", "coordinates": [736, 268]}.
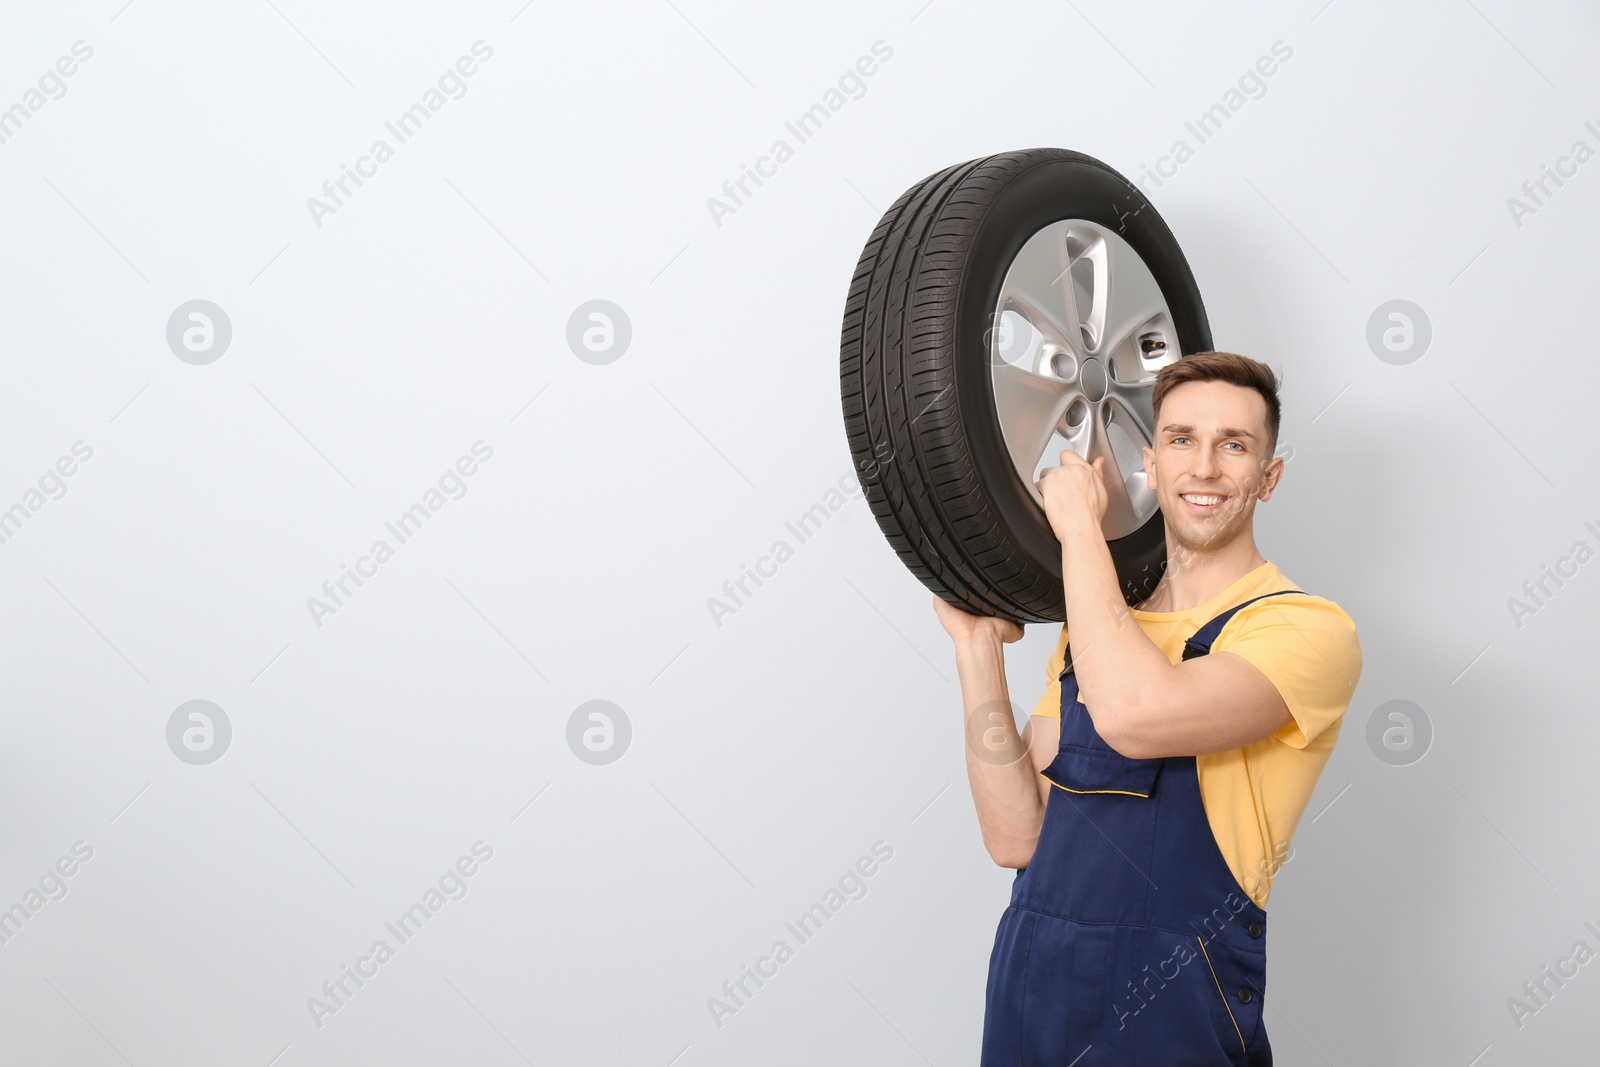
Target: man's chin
{"type": "Point", "coordinates": [1200, 535]}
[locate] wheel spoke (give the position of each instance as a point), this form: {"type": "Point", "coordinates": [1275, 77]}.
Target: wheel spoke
{"type": "Point", "coordinates": [1030, 406]}
{"type": "Point", "coordinates": [1039, 288]}
{"type": "Point", "coordinates": [1133, 403]}
{"type": "Point", "coordinates": [1120, 516]}
{"type": "Point", "coordinates": [1140, 495]}
{"type": "Point", "coordinates": [1131, 296]}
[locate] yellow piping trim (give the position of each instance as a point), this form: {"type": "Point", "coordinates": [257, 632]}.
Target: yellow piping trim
{"type": "Point", "coordinates": [1226, 1006]}
{"type": "Point", "coordinates": [1081, 792]}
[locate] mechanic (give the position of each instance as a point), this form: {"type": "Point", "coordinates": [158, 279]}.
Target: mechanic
{"type": "Point", "coordinates": [1155, 790]}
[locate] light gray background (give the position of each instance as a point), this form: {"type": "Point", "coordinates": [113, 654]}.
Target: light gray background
{"type": "Point", "coordinates": [769, 753]}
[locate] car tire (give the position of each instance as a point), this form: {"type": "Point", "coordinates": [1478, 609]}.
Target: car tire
{"type": "Point", "coordinates": [944, 409]}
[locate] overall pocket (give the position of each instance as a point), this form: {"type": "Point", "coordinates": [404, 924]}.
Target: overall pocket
{"type": "Point", "coordinates": [1081, 769]}
{"type": "Point", "coordinates": [1238, 982]}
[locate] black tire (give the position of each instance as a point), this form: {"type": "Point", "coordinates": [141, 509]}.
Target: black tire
{"type": "Point", "coordinates": [918, 400]}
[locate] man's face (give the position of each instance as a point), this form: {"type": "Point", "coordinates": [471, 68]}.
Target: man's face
{"type": "Point", "coordinates": [1211, 441]}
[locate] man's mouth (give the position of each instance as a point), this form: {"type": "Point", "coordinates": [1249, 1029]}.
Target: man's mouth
{"type": "Point", "coordinates": [1202, 503]}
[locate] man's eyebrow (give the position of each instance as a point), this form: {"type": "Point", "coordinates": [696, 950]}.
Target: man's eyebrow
{"type": "Point", "coordinates": [1225, 431]}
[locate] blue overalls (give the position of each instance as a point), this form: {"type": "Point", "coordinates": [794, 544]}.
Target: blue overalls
{"type": "Point", "coordinates": [1128, 941]}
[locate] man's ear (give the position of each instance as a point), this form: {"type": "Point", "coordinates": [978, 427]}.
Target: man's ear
{"type": "Point", "coordinates": [1149, 467]}
{"type": "Point", "coordinates": [1269, 478]}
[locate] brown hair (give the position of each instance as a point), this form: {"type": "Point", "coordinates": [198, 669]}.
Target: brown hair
{"type": "Point", "coordinates": [1224, 367]}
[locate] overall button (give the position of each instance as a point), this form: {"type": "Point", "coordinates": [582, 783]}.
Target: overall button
{"type": "Point", "coordinates": [1244, 996]}
{"type": "Point", "coordinates": [1255, 929]}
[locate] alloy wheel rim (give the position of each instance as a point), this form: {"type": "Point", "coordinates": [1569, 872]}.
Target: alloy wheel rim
{"type": "Point", "coordinates": [1080, 330]}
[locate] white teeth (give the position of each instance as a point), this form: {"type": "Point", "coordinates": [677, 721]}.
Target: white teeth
{"type": "Point", "coordinates": [1201, 499]}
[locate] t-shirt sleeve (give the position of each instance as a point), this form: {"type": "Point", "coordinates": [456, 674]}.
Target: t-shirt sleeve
{"type": "Point", "coordinates": [1050, 703]}
{"type": "Point", "coordinates": [1308, 648]}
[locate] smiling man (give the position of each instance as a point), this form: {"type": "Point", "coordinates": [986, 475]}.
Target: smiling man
{"type": "Point", "coordinates": [1162, 775]}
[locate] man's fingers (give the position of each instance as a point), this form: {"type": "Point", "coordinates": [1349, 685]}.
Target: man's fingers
{"type": "Point", "coordinates": [1069, 457]}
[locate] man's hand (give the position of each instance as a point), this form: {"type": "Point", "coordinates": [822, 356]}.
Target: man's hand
{"type": "Point", "coordinates": [964, 627]}
{"type": "Point", "coordinates": [1074, 494]}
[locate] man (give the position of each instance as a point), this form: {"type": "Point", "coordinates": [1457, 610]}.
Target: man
{"type": "Point", "coordinates": [1169, 761]}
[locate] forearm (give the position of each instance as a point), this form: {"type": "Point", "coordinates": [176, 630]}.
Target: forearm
{"type": "Point", "coordinates": [999, 770]}
{"type": "Point", "coordinates": [1118, 668]}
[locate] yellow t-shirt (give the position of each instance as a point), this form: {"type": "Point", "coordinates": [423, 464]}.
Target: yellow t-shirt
{"type": "Point", "coordinates": [1307, 646]}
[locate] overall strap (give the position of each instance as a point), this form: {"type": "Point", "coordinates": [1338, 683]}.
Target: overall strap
{"type": "Point", "coordinates": [1200, 643]}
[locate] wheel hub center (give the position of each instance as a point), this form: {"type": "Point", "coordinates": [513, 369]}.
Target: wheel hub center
{"type": "Point", "coordinates": [1092, 379]}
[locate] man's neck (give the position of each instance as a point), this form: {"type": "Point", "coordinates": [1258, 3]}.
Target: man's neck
{"type": "Point", "coordinates": [1193, 577]}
